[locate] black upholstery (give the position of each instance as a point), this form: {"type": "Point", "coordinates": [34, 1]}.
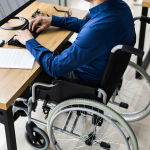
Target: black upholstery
{"type": "Point", "coordinates": [115, 69]}
{"type": "Point", "coordinates": [67, 88]}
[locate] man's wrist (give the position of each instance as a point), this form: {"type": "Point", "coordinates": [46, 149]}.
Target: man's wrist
{"type": "Point", "coordinates": [29, 40]}
{"type": "Point", "coordinates": [50, 20]}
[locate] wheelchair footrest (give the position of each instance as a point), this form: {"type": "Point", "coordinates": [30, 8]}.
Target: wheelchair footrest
{"type": "Point", "coordinates": [124, 105]}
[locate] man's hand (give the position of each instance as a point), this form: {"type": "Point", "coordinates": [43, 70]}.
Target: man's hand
{"type": "Point", "coordinates": [45, 22]}
{"type": "Point", "coordinates": [23, 35]}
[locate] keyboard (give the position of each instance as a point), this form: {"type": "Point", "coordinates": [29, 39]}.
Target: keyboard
{"type": "Point", "coordinates": [17, 43]}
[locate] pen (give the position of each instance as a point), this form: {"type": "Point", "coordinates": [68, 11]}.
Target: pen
{"type": "Point", "coordinates": [47, 15]}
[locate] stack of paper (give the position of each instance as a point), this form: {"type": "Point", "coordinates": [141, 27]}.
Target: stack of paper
{"type": "Point", "coordinates": [16, 58]}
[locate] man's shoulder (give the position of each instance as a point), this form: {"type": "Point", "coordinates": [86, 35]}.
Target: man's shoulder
{"type": "Point", "coordinates": [106, 19]}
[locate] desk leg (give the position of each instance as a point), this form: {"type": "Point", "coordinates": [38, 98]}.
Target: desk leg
{"type": "Point", "coordinates": [142, 39]}
{"type": "Point", "coordinates": [66, 3]}
{"type": "Point", "coordinates": [8, 121]}
{"type": "Point", "coordinates": [59, 2]}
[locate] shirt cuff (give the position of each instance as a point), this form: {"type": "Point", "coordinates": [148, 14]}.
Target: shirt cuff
{"type": "Point", "coordinates": [56, 21]}
{"type": "Point", "coordinates": [31, 43]}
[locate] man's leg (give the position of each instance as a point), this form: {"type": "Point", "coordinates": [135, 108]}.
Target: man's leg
{"type": "Point", "coordinates": [73, 75]}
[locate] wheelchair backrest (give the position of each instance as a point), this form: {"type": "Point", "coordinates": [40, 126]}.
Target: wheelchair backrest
{"type": "Point", "coordinates": [115, 68]}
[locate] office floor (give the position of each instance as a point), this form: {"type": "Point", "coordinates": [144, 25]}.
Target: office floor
{"type": "Point", "coordinates": [141, 128]}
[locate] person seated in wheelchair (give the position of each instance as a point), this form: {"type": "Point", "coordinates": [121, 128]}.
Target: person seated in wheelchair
{"type": "Point", "coordinates": [109, 23]}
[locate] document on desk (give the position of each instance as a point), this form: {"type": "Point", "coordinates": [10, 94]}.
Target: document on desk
{"type": "Point", "coordinates": [16, 58]}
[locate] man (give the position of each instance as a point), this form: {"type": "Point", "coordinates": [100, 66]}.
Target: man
{"type": "Point", "coordinates": [109, 23]}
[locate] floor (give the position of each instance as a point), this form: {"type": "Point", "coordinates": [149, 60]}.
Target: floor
{"type": "Point", "coordinates": [141, 128]}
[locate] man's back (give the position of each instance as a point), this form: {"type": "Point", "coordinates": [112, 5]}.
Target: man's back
{"type": "Point", "coordinates": [112, 23]}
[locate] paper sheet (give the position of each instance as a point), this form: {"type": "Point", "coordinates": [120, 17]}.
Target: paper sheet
{"type": "Point", "coordinates": [16, 58]}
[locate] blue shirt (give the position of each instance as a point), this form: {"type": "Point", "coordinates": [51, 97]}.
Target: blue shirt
{"type": "Point", "coordinates": [108, 24]}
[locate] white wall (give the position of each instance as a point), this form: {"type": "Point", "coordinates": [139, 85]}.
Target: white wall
{"type": "Point", "coordinates": [56, 2]}
{"type": "Point", "coordinates": [79, 4]}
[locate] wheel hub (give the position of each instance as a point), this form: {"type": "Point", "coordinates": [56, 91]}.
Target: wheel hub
{"type": "Point", "coordinates": [88, 142]}
{"type": "Point", "coordinates": [91, 137]}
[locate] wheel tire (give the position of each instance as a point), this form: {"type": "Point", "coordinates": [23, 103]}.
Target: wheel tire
{"type": "Point", "coordinates": [92, 103]}
{"type": "Point", "coordinates": [42, 134]}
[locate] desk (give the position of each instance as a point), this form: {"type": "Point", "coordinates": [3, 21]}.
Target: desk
{"type": "Point", "coordinates": [14, 81]}
{"type": "Point", "coordinates": [145, 6]}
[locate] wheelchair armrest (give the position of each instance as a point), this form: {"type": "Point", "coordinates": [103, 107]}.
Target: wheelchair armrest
{"type": "Point", "coordinates": [142, 18]}
{"type": "Point", "coordinates": [133, 50]}
{"type": "Point", "coordinates": [128, 49]}
{"type": "Point", "coordinates": [74, 82]}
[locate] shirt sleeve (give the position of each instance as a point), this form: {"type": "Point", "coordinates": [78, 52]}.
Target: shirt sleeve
{"type": "Point", "coordinates": [70, 23]}
{"type": "Point", "coordinates": [88, 46]}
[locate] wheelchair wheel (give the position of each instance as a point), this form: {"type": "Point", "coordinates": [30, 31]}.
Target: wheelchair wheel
{"type": "Point", "coordinates": [41, 137]}
{"type": "Point", "coordinates": [80, 124]}
{"type": "Point", "coordinates": [135, 93]}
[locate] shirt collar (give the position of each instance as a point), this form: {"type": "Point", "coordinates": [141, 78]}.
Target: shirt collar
{"type": "Point", "coordinates": [101, 7]}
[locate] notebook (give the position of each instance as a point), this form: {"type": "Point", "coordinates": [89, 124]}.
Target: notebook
{"type": "Point", "coordinates": [16, 58]}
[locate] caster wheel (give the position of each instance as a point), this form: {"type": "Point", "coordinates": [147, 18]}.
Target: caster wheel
{"type": "Point", "coordinates": [41, 137]}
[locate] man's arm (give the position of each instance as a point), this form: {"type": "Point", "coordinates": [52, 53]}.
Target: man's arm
{"type": "Point", "coordinates": [88, 46]}
{"type": "Point", "coordinates": [70, 23]}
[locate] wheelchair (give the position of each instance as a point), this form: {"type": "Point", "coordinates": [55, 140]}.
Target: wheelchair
{"type": "Point", "coordinates": [77, 113]}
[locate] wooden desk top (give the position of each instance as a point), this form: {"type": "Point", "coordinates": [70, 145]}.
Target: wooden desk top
{"type": "Point", "coordinates": [146, 3]}
{"type": "Point", "coordinates": [14, 81]}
